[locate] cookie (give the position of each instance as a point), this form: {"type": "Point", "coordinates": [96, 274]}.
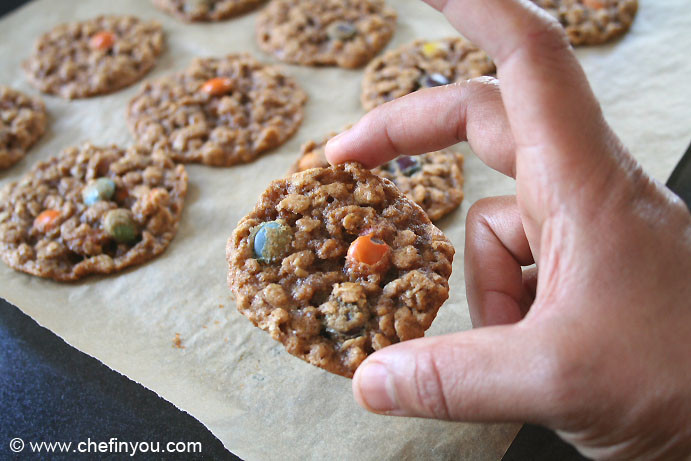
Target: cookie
{"type": "Point", "coordinates": [433, 180]}
{"type": "Point", "coordinates": [205, 10]}
{"type": "Point", "coordinates": [22, 122]}
{"type": "Point", "coordinates": [336, 263]}
{"type": "Point", "coordinates": [422, 64]}
{"type": "Point", "coordinates": [219, 111]}
{"type": "Point", "coordinates": [592, 22]}
{"type": "Point", "coordinates": [98, 56]}
{"type": "Point", "coordinates": [91, 210]}
{"type": "Point", "coordinates": [345, 33]}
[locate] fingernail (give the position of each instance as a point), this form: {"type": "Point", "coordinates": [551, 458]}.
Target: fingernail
{"type": "Point", "coordinates": [333, 141]}
{"type": "Point", "coordinates": [331, 144]}
{"type": "Point", "coordinates": [376, 388]}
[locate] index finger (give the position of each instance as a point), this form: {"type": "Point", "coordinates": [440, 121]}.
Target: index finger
{"type": "Point", "coordinates": [553, 113]}
{"type": "Point", "coordinates": [554, 119]}
{"type": "Point", "coordinates": [430, 120]}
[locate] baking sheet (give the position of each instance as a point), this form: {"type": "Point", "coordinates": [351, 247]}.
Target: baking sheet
{"type": "Point", "coordinates": [261, 402]}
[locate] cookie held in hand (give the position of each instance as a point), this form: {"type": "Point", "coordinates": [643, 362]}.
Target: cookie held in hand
{"type": "Point", "coordinates": [433, 180]}
{"type": "Point", "coordinates": [336, 263]}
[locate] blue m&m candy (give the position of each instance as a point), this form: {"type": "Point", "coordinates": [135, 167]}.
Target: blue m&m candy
{"type": "Point", "coordinates": [100, 189]}
{"type": "Point", "coordinates": [271, 241]}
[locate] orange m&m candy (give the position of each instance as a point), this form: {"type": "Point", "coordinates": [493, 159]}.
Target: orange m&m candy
{"type": "Point", "coordinates": [216, 86]}
{"type": "Point", "coordinates": [46, 220]}
{"type": "Point", "coordinates": [367, 250]}
{"type": "Point", "coordinates": [312, 160]}
{"type": "Point", "coordinates": [594, 4]}
{"type": "Point", "coordinates": [103, 40]}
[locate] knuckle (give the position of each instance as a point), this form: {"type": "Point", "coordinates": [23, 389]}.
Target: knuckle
{"type": "Point", "coordinates": [540, 37]}
{"type": "Point", "coordinates": [485, 81]}
{"type": "Point", "coordinates": [429, 387]}
{"type": "Point", "coordinates": [547, 35]}
{"type": "Point", "coordinates": [564, 384]}
{"type": "Point", "coordinates": [478, 210]}
{"type": "Point", "coordinates": [546, 24]}
{"type": "Point", "coordinates": [480, 214]}
{"type": "Point", "coordinates": [483, 90]}
{"type": "Point", "coordinates": [475, 220]}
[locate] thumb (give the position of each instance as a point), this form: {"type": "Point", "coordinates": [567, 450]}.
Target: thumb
{"type": "Point", "coordinates": [489, 374]}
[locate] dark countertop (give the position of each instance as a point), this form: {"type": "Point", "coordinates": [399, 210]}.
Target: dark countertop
{"type": "Point", "coordinates": [50, 391]}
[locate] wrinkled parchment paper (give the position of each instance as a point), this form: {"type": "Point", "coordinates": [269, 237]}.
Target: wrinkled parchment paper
{"type": "Point", "coordinates": [261, 402]}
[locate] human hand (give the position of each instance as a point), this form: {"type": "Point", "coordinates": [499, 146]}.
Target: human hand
{"type": "Point", "coordinates": [599, 346]}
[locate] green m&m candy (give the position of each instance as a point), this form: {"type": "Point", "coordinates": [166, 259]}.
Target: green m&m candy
{"type": "Point", "coordinates": [120, 225]}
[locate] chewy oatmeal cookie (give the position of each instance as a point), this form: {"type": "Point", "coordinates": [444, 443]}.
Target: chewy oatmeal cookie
{"type": "Point", "coordinates": [592, 22]}
{"type": "Point", "coordinates": [422, 64]}
{"type": "Point", "coordinates": [101, 55]}
{"type": "Point", "coordinates": [22, 122]}
{"type": "Point", "coordinates": [219, 111]}
{"type": "Point", "coordinates": [91, 210]}
{"type": "Point", "coordinates": [433, 180]}
{"type": "Point", "coordinates": [205, 10]}
{"type": "Point", "coordinates": [345, 33]}
{"type": "Point", "coordinates": [336, 263]}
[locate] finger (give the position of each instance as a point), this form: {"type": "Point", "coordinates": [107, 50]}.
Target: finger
{"type": "Point", "coordinates": [488, 374]}
{"type": "Point", "coordinates": [529, 289]}
{"type": "Point", "coordinates": [429, 120]}
{"type": "Point", "coordinates": [556, 121]}
{"type": "Point", "coordinates": [495, 249]}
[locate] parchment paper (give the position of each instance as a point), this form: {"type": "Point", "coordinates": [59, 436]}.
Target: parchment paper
{"type": "Point", "coordinates": [261, 402]}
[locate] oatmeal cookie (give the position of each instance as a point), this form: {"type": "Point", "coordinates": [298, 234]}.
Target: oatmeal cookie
{"type": "Point", "coordinates": [91, 210]}
{"type": "Point", "coordinates": [205, 10]}
{"type": "Point", "coordinates": [22, 122]}
{"type": "Point", "coordinates": [592, 22]}
{"type": "Point", "coordinates": [422, 64]}
{"type": "Point", "coordinates": [336, 263]}
{"type": "Point", "coordinates": [220, 111]}
{"type": "Point", "coordinates": [98, 56]}
{"type": "Point", "coordinates": [345, 33]}
{"type": "Point", "coordinates": [433, 180]}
